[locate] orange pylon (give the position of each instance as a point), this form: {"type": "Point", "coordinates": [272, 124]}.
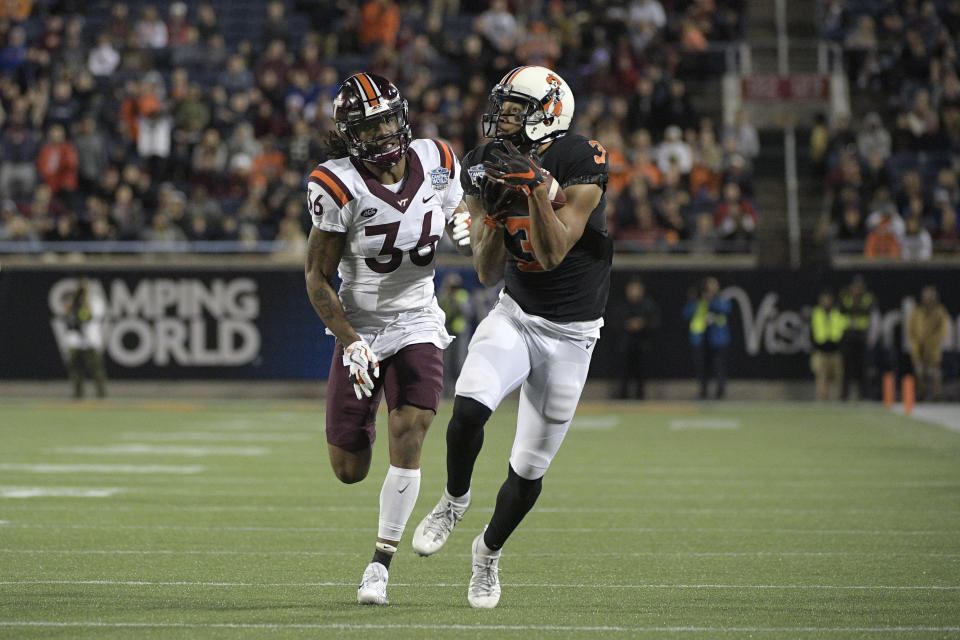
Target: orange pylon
{"type": "Point", "coordinates": [889, 389]}
{"type": "Point", "coordinates": [908, 391]}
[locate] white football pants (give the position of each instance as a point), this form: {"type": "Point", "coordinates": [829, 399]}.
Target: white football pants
{"type": "Point", "coordinates": [550, 359]}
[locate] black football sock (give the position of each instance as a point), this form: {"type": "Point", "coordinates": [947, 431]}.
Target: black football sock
{"type": "Point", "coordinates": [464, 441]}
{"type": "Point", "coordinates": [516, 497]}
{"type": "Point", "coordinates": [383, 557]}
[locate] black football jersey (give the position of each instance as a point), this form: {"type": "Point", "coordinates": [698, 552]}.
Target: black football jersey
{"type": "Point", "coordinates": [577, 288]}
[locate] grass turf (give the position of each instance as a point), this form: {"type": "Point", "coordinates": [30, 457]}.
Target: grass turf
{"type": "Point", "coordinates": [223, 520]}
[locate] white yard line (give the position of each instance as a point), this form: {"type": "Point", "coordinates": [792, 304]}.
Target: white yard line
{"type": "Point", "coordinates": [163, 450]}
{"type": "Point", "coordinates": [102, 468]}
{"type": "Point", "coordinates": [57, 492]}
{"type": "Point", "coordinates": [598, 423]}
{"type": "Point", "coordinates": [464, 627]}
{"type": "Point", "coordinates": [704, 423]}
{"type": "Point", "coordinates": [213, 436]}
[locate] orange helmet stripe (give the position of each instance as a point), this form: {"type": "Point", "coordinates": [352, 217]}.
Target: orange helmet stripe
{"type": "Point", "coordinates": [512, 75]}
{"type": "Point", "coordinates": [368, 89]}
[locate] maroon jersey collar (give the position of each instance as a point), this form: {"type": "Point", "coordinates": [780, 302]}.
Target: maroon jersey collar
{"type": "Point", "coordinates": [399, 201]}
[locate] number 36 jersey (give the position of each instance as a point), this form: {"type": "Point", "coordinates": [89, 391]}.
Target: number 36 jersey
{"type": "Point", "coordinates": [387, 266]}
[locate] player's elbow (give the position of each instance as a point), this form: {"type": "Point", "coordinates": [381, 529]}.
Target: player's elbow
{"type": "Point", "coordinates": [551, 259]}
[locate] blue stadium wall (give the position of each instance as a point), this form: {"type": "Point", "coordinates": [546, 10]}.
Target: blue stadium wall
{"type": "Point", "coordinates": [258, 324]}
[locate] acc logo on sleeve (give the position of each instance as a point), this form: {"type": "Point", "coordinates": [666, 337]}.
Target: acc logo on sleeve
{"type": "Point", "coordinates": [439, 178]}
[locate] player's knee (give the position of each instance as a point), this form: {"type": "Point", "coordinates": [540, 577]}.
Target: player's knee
{"type": "Point", "coordinates": [529, 465]}
{"type": "Point", "coordinates": [348, 474]}
{"type": "Point", "coordinates": [350, 467]}
{"type": "Point", "coordinates": [469, 416]}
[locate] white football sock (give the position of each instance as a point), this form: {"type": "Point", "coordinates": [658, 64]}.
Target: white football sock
{"type": "Point", "coordinates": [397, 499]}
{"type": "Point", "coordinates": [460, 501]}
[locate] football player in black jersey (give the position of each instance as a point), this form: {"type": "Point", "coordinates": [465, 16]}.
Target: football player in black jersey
{"type": "Point", "coordinates": [555, 265]}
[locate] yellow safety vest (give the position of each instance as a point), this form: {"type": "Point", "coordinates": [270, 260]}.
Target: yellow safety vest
{"type": "Point", "coordinates": [827, 326]}
{"type": "Point", "coordinates": [698, 323]}
{"type": "Point", "coordinates": [858, 316]}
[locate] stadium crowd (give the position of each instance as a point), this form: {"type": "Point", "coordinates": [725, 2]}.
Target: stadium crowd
{"type": "Point", "coordinates": [165, 122]}
{"type": "Point", "coordinates": [892, 178]}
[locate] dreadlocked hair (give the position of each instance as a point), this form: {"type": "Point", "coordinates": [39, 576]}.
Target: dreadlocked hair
{"type": "Point", "coordinates": [335, 146]}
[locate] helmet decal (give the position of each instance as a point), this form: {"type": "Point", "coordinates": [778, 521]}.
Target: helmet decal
{"type": "Point", "coordinates": [547, 107]}
{"type": "Point", "coordinates": [552, 101]}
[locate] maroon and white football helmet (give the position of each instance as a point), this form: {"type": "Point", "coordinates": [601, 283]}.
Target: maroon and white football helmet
{"type": "Point", "coordinates": [373, 118]}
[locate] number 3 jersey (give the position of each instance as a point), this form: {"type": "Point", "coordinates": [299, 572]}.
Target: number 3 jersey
{"type": "Point", "coordinates": [576, 290]}
{"type": "Point", "coordinates": [392, 232]}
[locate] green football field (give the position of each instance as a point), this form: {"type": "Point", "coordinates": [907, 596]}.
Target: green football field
{"type": "Point", "coordinates": [222, 519]}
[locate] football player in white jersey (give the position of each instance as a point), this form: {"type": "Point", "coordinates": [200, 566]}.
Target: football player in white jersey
{"type": "Point", "coordinates": [554, 257]}
{"type": "Point", "coordinates": [378, 213]}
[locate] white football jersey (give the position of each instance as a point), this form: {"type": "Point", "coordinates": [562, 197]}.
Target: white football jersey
{"type": "Point", "coordinates": [387, 266]}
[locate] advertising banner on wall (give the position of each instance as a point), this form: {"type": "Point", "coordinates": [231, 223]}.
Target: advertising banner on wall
{"type": "Point", "coordinates": [770, 314]}
{"type": "Point", "coordinates": [180, 324]}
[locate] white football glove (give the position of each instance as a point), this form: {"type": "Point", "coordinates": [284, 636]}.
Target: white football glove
{"type": "Point", "coordinates": [360, 357]}
{"type": "Point", "coordinates": [461, 229]}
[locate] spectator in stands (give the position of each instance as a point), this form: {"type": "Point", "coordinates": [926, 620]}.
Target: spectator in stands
{"type": "Point", "coordinates": [946, 236]}
{"type": "Point", "coordinates": [886, 214]}
{"type": "Point", "coordinates": [276, 26]}
{"type": "Point", "coordinates": [538, 46]}
{"type": "Point", "coordinates": [827, 324]}
{"type": "Point", "coordinates": [154, 139]}
{"type": "Point", "coordinates": [675, 109]}
{"type": "Point", "coordinates": [18, 149]}
{"type": "Point", "coordinates": [104, 59]}
{"type": "Point", "coordinates": [882, 241]}
{"type": "Point", "coordinates": [674, 150]}
{"type": "Point", "coordinates": [741, 137]}
{"type": "Point", "coordinates": [14, 54]}
{"type": "Point", "coordinates": [917, 243]}
{"type": "Point", "coordinates": [150, 32]}
{"type": "Point", "coordinates": [57, 162]}
{"type": "Point", "coordinates": [498, 27]}
{"type": "Point", "coordinates": [641, 323]}
{"type": "Point", "coordinates": [127, 214]}
{"type": "Point", "coordinates": [162, 231]}
{"type": "Point", "coordinates": [209, 159]}
{"type": "Point", "coordinates": [118, 26]}
{"type": "Point", "coordinates": [178, 28]}
{"type": "Point", "coordinates": [946, 189]}
{"type": "Point", "coordinates": [873, 139]}
{"type": "Point", "coordinates": [842, 136]}
{"type": "Point", "coordinates": [927, 326]}
{"type": "Point", "coordinates": [91, 147]}
{"type": "Point", "coordinates": [735, 219]}
{"type": "Point", "coordinates": [379, 24]}
{"type": "Point", "coordinates": [63, 106]}
{"type": "Point", "coordinates": [206, 22]}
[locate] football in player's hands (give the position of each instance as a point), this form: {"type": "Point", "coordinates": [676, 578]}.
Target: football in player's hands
{"type": "Point", "coordinates": [557, 197]}
{"type": "Point", "coordinates": [500, 201]}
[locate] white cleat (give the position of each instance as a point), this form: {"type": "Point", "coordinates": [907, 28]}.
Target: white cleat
{"type": "Point", "coordinates": [373, 585]}
{"type": "Point", "coordinates": [484, 589]}
{"type": "Point", "coordinates": [433, 530]}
